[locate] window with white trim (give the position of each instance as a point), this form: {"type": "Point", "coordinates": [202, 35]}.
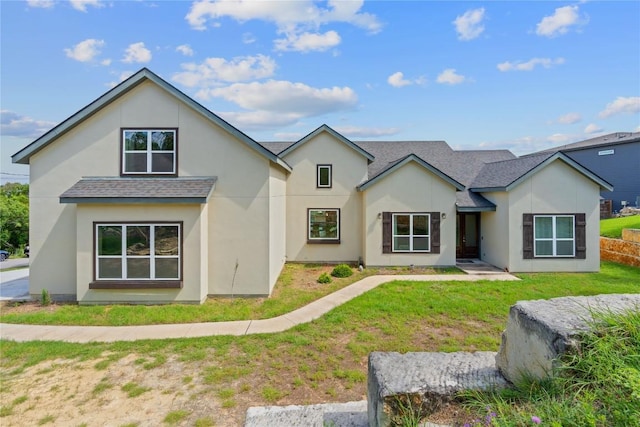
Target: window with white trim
{"type": "Point", "coordinates": [138, 251]}
{"type": "Point", "coordinates": [411, 232]}
{"type": "Point", "coordinates": [323, 225]}
{"type": "Point", "coordinates": [149, 151]}
{"type": "Point", "coordinates": [324, 176]}
{"type": "Point", "coordinates": [554, 235]}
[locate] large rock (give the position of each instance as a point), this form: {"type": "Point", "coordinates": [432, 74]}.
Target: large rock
{"type": "Point", "coordinates": [539, 332]}
{"type": "Point", "coordinates": [422, 382]}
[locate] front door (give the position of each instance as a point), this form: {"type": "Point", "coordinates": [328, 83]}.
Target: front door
{"type": "Point", "coordinates": [467, 235]}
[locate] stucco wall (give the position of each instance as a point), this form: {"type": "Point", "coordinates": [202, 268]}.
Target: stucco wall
{"type": "Point", "coordinates": [409, 189]}
{"type": "Point", "coordinates": [238, 231]}
{"type": "Point", "coordinates": [349, 168]}
{"type": "Point", "coordinates": [277, 224]}
{"type": "Point", "coordinates": [494, 238]}
{"type": "Point", "coordinates": [194, 285]}
{"type": "Point", "coordinates": [558, 188]}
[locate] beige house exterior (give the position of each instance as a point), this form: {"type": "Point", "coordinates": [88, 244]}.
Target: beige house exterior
{"type": "Point", "coordinates": [145, 196]}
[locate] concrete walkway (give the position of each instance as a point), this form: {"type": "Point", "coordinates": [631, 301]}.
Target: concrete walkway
{"type": "Point", "coordinates": [312, 311]}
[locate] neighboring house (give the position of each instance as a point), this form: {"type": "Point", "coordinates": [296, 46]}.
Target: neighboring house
{"type": "Point", "coordinates": [145, 196]}
{"type": "Point", "coordinates": [614, 157]}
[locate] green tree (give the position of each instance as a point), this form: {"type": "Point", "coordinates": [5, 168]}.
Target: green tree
{"type": "Point", "coordinates": [14, 216]}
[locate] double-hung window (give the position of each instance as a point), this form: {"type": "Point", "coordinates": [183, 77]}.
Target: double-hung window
{"type": "Point", "coordinates": [323, 225]}
{"type": "Point", "coordinates": [138, 252]}
{"type": "Point", "coordinates": [411, 232]}
{"type": "Point", "coordinates": [554, 235]}
{"type": "Point", "coordinates": [323, 176]}
{"type": "Point", "coordinates": [149, 151]}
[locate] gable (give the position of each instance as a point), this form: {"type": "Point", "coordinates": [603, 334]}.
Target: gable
{"type": "Point", "coordinates": [324, 129]}
{"type": "Point", "coordinates": [141, 77]}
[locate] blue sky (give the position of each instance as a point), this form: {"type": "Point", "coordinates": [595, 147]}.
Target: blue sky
{"type": "Point", "coordinates": [484, 74]}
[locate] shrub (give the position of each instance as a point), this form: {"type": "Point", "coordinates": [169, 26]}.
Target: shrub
{"type": "Point", "coordinates": [45, 298]}
{"type": "Point", "coordinates": [342, 270]}
{"type": "Point", "coordinates": [324, 278]}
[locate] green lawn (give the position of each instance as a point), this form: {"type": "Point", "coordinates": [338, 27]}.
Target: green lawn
{"type": "Point", "coordinates": [327, 358]}
{"type": "Point", "coordinates": [612, 227]}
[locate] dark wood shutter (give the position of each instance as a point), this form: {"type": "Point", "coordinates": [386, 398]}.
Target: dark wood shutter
{"type": "Point", "coordinates": [386, 232]}
{"type": "Point", "coordinates": [527, 236]}
{"type": "Point", "coordinates": [581, 236]}
{"type": "Point", "coordinates": [435, 232]}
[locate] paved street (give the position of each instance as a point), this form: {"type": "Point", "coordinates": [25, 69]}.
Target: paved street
{"type": "Point", "coordinates": [14, 284]}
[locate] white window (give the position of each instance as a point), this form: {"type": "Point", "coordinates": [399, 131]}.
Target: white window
{"type": "Point", "coordinates": [151, 151]}
{"type": "Point", "coordinates": [410, 232]}
{"type": "Point", "coordinates": [138, 251]}
{"type": "Point", "coordinates": [324, 225]}
{"type": "Point", "coordinates": [554, 235]}
{"type": "Point", "coordinates": [323, 178]}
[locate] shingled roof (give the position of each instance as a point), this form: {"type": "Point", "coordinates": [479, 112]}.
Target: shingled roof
{"type": "Point", "coordinates": [140, 190]}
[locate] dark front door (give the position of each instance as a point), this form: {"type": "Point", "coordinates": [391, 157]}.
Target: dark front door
{"type": "Point", "coordinates": [467, 235]}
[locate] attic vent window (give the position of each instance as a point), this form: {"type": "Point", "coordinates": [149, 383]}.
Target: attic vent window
{"type": "Point", "coordinates": [606, 152]}
{"type": "Point", "coordinates": [149, 151]}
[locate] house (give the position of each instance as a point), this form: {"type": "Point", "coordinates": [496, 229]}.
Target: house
{"type": "Point", "coordinates": [616, 158]}
{"type": "Point", "coordinates": [145, 196]}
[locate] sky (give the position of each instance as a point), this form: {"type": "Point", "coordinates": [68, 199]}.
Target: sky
{"type": "Point", "coordinates": [517, 75]}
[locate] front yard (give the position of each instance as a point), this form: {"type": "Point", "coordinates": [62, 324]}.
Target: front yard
{"type": "Point", "coordinates": [212, 381]}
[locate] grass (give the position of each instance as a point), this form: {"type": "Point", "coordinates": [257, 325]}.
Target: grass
{"type": "Point", "coordinates": [597, 386]}
{"type": "Point", "coordinates": [285, 299]}
{"type": "Point", "coordinates": [329, 354]}
{"type": "Point", "coordinates": [612, 227]}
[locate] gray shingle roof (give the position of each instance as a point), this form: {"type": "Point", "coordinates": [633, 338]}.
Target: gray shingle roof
{"type": "Point", "coordinates": [140, 190]}
{"type": "Point", "coordinates": [600, 141]}
{"type": "Point", "coordinates": [502, 174]}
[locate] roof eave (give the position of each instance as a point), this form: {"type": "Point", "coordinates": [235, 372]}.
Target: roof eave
{"type": "Point", "coordinates": [134, 200]}
{"type": "Point", "coordinates": [475, 208]}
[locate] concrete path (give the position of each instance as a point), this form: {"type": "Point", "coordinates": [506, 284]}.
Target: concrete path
{"type": "Point", "coordinates": [14, 284]}
{"type": "Point", "coordinates": [312, 311]}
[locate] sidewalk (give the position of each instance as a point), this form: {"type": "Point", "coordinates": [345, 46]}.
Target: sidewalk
{"type": "Point", "coordinates": [312, 311]}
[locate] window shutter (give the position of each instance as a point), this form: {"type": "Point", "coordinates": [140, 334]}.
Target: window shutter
{"type": "Point", "coordinates": [527, 236]}
{"type": "Point", "coordinates": [386, 232]}
{"type": "Point", "coordinates": [581, 236]}
{"type": "Point", "coordinates": [435, 232]}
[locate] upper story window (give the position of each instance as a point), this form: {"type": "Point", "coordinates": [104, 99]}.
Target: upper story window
{"type": "Point", "coordinates": [149, 151]}
{"type": "Point", "coordinates": [323, 176]}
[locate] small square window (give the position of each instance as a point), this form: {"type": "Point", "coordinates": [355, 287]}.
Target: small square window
{"type": "Point", "coordinates": [149, 152]}
{"type": "Point", "coordinates": [324, 176]}
{"type": "Point", "coordinates": [323, 226]}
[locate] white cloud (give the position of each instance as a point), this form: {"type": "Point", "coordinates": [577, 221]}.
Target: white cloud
{"type": "Point", "coordinates": [285, 15]}
{"type": "Point", "coordinates": [44, 4]}
{"type": "Point", "coordinates": [124, 75]}
{"type": "Point", "coordinates": [86, 50]}
{"type": "Point", "coordinates": [106, 62]}
{"type": "Point", "coordinates": [397, 80]}
{"type": "Point", "coordinates": [248, 38]}
{"type": "Point", "coordinates": [469, 25]}
{"type": "Point", "coordinates": [13, 124]}
{"type": "Point", "coordinates": [592, 128]}
{"type": "Point", "coordinates": [569, 118]}
{"type": "Point", "coordinates": [214, 71]}
{"type": "Point", "coordinates": [136, 52]}
{"type": "Point", "coordinates": [450, 77]}
{"type": "Point", "coordinates": [559, 22]}
{"type": "Point", "coordinates": [277, 96]}
{"type": "Point", "coordinates": [306, 42]}
{"type": "Point", "coordinates": [81, 5]}
{"type": "Point", "coordinates": [185, 49]}
{"type": "Point", "coordinates": [560, 138]}
{"type": "Point", "coordinates": [364, 132]}
{"type": "Point", "coordinates": [530, 64]}
{"type": "Point", "coordinates": [621, 105]}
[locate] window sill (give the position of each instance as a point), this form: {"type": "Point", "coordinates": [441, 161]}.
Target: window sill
{"type": "Point", "coordinates": [136, 284]}
{"type": "Point", "coordinates": [323, 242]}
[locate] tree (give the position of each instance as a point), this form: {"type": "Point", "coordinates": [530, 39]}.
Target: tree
{"type": "Point", "coordinates": [14, 216]}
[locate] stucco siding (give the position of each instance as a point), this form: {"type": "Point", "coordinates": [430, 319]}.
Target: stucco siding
{"type": "Point", "coordinates": [557, 188]}
{"type": "Point", "coordinates": [349, 169]}
{"type": "Point", "coordinates": [194, 288]}
{"type": "Point", "coordinates": [277, 224]}
{"type": "Point", "coordinates": [238, 211]}
{"type": "Point", "coordinates": [409, 189]}
{"type": "Point", "coordinates": [494, 237]}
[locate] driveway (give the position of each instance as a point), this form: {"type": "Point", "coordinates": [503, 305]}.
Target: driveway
{"type": "Point", "coordinates": [14, 284]}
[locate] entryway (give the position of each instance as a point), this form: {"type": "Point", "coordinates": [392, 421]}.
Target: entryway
{"type": "Point", "coordinates": [467, 235]}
